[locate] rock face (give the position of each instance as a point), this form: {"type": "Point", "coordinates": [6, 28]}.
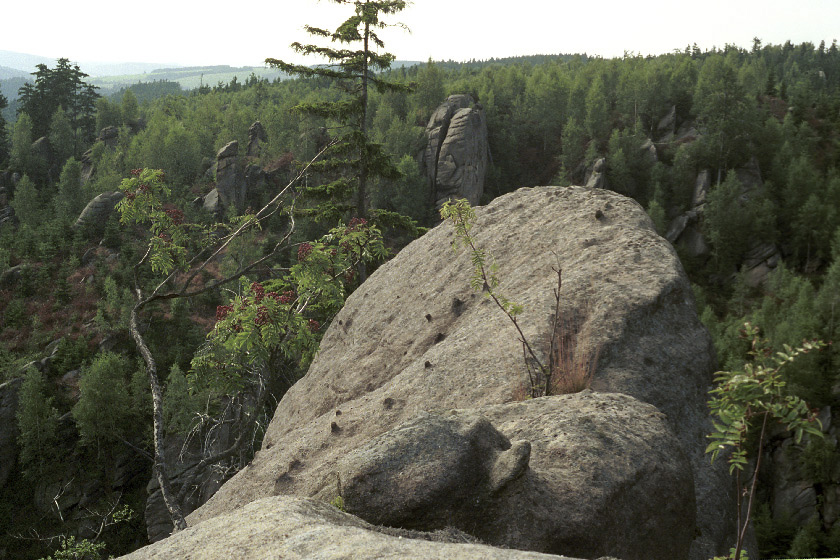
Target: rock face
{"type": "Point", "coordinates": [298, 528]}
{"type": "Point", "coordinates": [581, 460]}
{"type": "Point", "coordinates": [230, 181]}
{"type": "Point", "coordinates": [415, 338]}
{"type": "Point", "coordinates": [456, 156]}
{"type": "Point", "coordinates": [97, 211]}
{"type": "Point", "coordinates": [598, 176]}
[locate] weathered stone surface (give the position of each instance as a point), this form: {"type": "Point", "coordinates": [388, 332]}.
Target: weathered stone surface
{"type": "Point", "coordinates": [256, 135]}
{"type": "Point", "coordinates": [231, 149]}
{"type": "Point", "coordinates": [701, 188]}
{"type": "Point", "coordinates": [456, 155]}
{"type": "Point", "coordinates": [606, 476]}
{"type": "Point", "coordinates": [295, 528]}
{"type": "Point", "coordinates": [648, 149]}
{"type": "Point", "coordinates": [415, 337]}
{"type": "Point", "coordinates": [598, 178]}
{"type": "Point", "coordinates": [667, 124]}
{"type": "Point", "coordinates": [759, 262]}
{"type": "Point", "coordinates": [97, 211]}
{"type": "Point", "coordinates": [109, 135]}
{"type": "Point", "coordinates": [230, 179]}
{"type": "Point", "coordinates": [8, 427]}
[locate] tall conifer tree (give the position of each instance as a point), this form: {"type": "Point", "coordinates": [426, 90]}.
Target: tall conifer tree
{"type": "Point", "coordinates": [353, 157]}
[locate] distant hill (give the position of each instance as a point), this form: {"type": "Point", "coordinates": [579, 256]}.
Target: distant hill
{"type": "Point", "coordinates": [7, 73]}
{"type": "Point", "coordinates": [26, 64]}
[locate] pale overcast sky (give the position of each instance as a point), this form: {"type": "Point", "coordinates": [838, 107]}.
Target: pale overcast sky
{"type": "Point", "coordinates": [245, 33]}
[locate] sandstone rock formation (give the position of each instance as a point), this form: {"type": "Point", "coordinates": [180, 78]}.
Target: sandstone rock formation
{"type": "Point", "coordinates": [230, 182]}
{"type": "Point", "coordinates": [597, 178]}
{"type": "Point", "coordinates": [415, 338]}
{"type": "Point", "coordinates": [97, 211]}
{"type": "Point", "coordinates": [295, 528]}
{"type": "Point", "coordinates": [580, 460]}
{"type": "Point", "coordinates": [456, 156]}
{"type": "Point", "coordinates": [236, 183]}
{"type": "Point", "coordinates": [256, 135]}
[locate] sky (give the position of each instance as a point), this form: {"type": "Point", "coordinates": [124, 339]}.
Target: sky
{"type": "Point", "coordinates": [222, 32]}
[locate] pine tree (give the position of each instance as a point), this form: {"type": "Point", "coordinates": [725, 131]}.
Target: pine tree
{"type": "Point", "coordinates": [351, 154]}
{"type": "Point", "coordinates": [27, 203]}
{"type": "Point", "coordinates": [37, 422]}
{"type": "Point", "coordinates": [69, 201]}
{"type": "Point", "coordinates": [61, 136]}
{"type": "Point", "coordinates": [4, 143]}
{"type": "Point", "coordinates": [21, 143]}
{"type": "Point", "coordinates": [60, 86]}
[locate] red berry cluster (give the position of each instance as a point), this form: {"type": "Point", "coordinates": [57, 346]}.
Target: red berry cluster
{"type": "Point", "coordinates": [263, 316]}
{"type": "Point", "coordinates": [287, 297]}
{"type": "Point", "coordinates": [176, 215]}
{"type": "Point", "coordinates": [349, 275]}
{"type": "Point", "coordinates": [314, 325]}
{"type": "Point", "coordinates": [356, 224]}
{"type": "Point", "coordinates": [136, 172]}
{"type": "Point", "coordinates": [303, 251]}
{"type": "Point", "coordinates": [165, 237]}
{"type": "Point", "coordinates": [143, 188]}
{"type": "Point", "coordinates": [259, 291]}
{"type": "Point", "coordinates": [129, 194]}
{"type": "Point", "coordinates": [222, 311]}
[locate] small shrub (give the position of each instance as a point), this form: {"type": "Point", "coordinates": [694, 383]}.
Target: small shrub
{"type": "Point", "coordinates": [573, 360]}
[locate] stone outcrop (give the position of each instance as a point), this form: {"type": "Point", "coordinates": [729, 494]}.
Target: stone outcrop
{"type": "Point", "coordinates": [109, 136]}
{"type": "Point", "coordinates": [580, 460]}
{"type": "Point", "coordinates": [597, 178]}
{"type": "Point", "coordinates": [456, 156]}
{"type": "Point", "coordinates": [98, 210]}
{"type": "Point", "coordinates": [416, 338]}
{"type": "Point", "coordinates": [295, 528]}
{"type": "Point", "coordinates": [256, 135]}
{"type": "Point", "coordinates": [236, 183]}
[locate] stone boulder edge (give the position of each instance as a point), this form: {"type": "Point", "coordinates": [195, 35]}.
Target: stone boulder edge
{"type": "Point", "coordinates": [294, 528]}
{"type": "Point", "coordinates": [589, 474]}
{"type": "Point", "coordinates": [415, 338]}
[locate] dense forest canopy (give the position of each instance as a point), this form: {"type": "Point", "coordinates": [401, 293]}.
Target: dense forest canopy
{"type": "Point", "coordinates": [762, 124]}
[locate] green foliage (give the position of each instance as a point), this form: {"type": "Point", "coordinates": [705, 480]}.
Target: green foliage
{"type": "Point", "coordinates": [352, 154]}
{"type": "Point", "coordinates": [755, 393]}
{"type": "Point", "coordinates": [37, 421]}
{"type": "Point", "coordinates": [62, 86]}
{"type": "Point", "coordinates": [806, 543]}
{"type": "Point", "coordinates": [818, 460]}
{"type": "Point", "coordinates": [113, 310]}
{"type": "Point", "coordinates": [104, 412]}
{"type": "Point", "coordinates": [283, 317]}
{"type": "Point", "coordinates": [734, 219]}
{"type": "Point", "coordinates": [21, 143]}
{"type": "Point", "coordinates": [71, 549]}
{"type": "Point", "coordinates": [180, 405]}
{"type": "Point", "coordinates": [27, 203]}
{"type": "Point", "coordinates": [68, 201]}
{"type": "Point", "coordinates": [62, 137]}
{"type": "Point", "coordinates": [143, 203]}
{"type": "Point", "coordinates": [758, 391]}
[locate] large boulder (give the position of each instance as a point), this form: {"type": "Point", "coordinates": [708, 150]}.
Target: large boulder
{"type": "Point", "coordinates": [456, 155]}
{"type": "Point", "coordinates": [98, 210]}
{"type": "Point", "coordinates": [415, 338]}
{"type": "Point", "coordinates": [295, 528]}
{"type": "Point", "coordinates": [591, 474]}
